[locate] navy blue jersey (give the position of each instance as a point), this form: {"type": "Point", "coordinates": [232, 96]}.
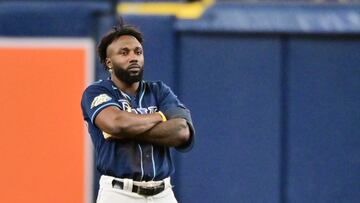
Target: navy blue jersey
{"type": "Point", "coordinates": [128, 158]}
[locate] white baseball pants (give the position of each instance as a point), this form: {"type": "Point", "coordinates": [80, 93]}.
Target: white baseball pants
{"type": "Point", "coordinates": [108, 194]}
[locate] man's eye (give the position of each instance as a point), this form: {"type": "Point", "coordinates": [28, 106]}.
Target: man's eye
{"type": "Point", "coordinates": [124, 53]}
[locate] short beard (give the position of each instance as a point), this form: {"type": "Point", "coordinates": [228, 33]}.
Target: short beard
{"type": "Point", "coordinates": [125, 76]}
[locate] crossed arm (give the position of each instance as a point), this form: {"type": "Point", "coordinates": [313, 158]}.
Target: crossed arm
{"type": "Point", "coordinates": [147, 128]}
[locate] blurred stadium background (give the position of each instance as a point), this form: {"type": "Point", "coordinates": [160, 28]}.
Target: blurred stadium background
{"type": "Point", "coordinates": [273, 85]}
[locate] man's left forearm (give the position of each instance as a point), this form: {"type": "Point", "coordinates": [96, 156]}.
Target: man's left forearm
{"type": "Point", "coordinates": [171, 133]}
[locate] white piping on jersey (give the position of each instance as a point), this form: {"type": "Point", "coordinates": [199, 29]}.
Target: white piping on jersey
{"type": "Point", "coordinates": [142, 95]}
{"type": "Point", "coordinates": [125, 95]}
{"type": "Point", "coordinates": [101, 107]}
{"type": "Point", "coordinates": [141, 163]}
{"type": "Point", "coordinates": [142, 166]}
{"type": "Point", "coordinates": [153, 161]}
{"type": "Point", "coordinates": [122, 93]}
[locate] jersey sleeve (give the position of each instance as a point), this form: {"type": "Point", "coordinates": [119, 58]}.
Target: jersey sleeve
{"type": "Point", "coordinates": [173, 108]}
{"type": "Point", "coordinates": [95, 98]}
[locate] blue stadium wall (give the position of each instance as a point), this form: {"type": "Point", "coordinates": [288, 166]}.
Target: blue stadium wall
{"type": "Point", "coordinates": [273, 89]}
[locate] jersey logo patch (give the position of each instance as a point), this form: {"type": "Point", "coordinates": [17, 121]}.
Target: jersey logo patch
{"type": "Point", "coordinates": [102, 98]}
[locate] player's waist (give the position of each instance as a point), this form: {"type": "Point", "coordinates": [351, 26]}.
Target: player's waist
{"type": "Point", "coordinates": [147, 188]}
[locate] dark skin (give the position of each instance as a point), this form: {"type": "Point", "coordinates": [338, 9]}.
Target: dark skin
{"type": "Point", "coordinates": [126, 52]}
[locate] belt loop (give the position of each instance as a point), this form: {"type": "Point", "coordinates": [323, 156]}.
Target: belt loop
{"type": "Point", "coordinates": [128, 184]}
{"type": "Point", "coordinates": [105, 180]}
{"type": "Point", "coordinates": [167, 183]}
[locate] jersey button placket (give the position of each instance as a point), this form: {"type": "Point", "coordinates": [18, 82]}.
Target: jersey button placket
{"type": "Point", "coordinates": [148, 160]}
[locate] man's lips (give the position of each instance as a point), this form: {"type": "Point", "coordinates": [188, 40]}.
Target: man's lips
{"type": "Point", "coordinates": [134, 68]}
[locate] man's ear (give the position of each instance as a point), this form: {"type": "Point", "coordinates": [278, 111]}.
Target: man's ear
{"type": "Point", "coordinates": [108, 63]}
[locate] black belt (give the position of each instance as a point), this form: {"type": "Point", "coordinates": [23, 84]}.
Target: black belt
{"type": "Point", "coordinates": [145, 191]}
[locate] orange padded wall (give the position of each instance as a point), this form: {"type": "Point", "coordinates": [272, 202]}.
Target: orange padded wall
{"type": "Point", "coordinates": [42, 145]}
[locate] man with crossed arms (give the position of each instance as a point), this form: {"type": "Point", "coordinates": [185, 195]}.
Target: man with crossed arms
{"type": "Point", "coordinates": [132, 124]}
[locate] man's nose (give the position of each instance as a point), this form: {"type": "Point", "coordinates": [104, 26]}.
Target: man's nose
{"type": "Point", "coordinates": [133, 58]}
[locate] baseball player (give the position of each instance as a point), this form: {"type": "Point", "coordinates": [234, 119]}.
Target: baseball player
{"type": "Point", "coordinates": [132, 124]}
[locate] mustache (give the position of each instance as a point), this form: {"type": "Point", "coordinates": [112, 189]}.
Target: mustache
{"type": "Point", "coordinates": [135, 65]}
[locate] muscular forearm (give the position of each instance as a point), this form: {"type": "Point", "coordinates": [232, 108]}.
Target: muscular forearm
{"type": "Point", "coordinates": [171, 133]}
{"type": "Point", "coordinates": [137, 124]}
{"type": "Point", "coordinates": [124, 124]}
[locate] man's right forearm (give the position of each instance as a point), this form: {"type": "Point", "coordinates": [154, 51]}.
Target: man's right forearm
{"type": "Point", "coordinates": [138, 124]}
{"type": "Point", "coordinates": [125, 125]}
